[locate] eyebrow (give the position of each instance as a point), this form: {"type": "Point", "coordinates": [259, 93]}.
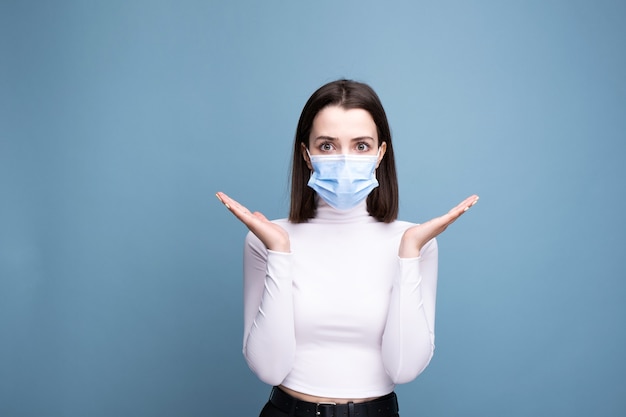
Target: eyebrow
{"type": "Point", "coordinates": [329, 138]}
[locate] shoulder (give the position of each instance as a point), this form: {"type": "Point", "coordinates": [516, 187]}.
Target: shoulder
{"type": "Point", "coordinates": [399, 226]}
{"type": "Point", "coordinates": [403, 224]}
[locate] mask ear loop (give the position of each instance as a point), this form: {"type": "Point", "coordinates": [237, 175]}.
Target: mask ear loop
{"type": "Point", "coordinates": [378, 161]}
{"type": "Point", "coordinates": [309, 161]}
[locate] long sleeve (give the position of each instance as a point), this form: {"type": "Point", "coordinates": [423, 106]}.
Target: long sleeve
{"type": "Point", "coordinates": [269, 337]}
{"type": "Point", "coordinates": [409, 339]}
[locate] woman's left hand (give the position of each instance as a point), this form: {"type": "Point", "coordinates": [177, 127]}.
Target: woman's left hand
{"type": "Point", "coordinates": [417, 236]}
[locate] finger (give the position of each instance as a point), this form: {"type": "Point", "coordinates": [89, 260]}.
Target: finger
{"type": "Point", "coordinates": [471, 201]}
{"type": "Point", "coordinates": [464, 205]}
{"type": "Point", "coordinates": [240, 211]}
{"type": "Point", "coordinates": [457, 211]}
{"type": "Point", "coordinates": [230, 203]}
{"type": "Point", "coordinates": [260, 216]}
{"type": "Point", "coordinates": [221, 196]}
{"type": "Point", "coordinates": [225, 199]}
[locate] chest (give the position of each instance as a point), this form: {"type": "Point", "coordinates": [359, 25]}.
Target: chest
{"type": "Point", "coordinates": [342, 280]}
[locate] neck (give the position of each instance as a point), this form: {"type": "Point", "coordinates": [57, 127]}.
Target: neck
{"type": "Point", "coordinates": [327, 214]}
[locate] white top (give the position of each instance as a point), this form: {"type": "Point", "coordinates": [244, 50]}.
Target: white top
{"type": "Point", "coordinates": [341, 316]}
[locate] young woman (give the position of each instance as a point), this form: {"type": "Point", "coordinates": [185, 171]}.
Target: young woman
{"type": "Point", "coordinates": [339, 299]}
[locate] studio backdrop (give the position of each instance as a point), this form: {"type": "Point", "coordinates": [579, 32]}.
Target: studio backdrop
{"type": "Point", "coordinates": [121, 273]}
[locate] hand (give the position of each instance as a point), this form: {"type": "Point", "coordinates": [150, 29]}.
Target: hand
{"type": "Point", "coordinates": [272, 235]}
{"type": "Point", "coordinates": [416, 237]}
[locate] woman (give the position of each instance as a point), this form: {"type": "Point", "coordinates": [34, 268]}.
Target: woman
{"type": "Point", "coordinates": [339, 299]}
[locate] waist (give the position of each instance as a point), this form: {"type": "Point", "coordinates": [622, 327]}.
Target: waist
{"type": "Point", "coordinates": [385, 406]}
{"type": "Point", "coordinates": [314, 399]}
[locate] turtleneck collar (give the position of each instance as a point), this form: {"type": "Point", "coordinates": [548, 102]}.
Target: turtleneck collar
{"type": "Point", "coordinates": [327, 214]}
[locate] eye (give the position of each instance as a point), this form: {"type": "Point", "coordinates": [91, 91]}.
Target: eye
{"type": "Point", "coordinates": [326, 147]}
{"type": "Point", "coordinates": [362, 147]}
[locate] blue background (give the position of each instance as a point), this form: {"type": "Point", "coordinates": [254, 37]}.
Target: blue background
{"type": "Point", "coordinates": [120, 272]}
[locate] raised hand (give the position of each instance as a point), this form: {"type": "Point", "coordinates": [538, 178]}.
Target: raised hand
{"type": "Point", "coordinates": [272, 235]}
{"type": "Point", "coordinates": [416, 237]}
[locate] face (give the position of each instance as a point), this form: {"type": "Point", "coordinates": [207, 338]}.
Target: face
{"type": "Point", "coordinates": [343, 131]}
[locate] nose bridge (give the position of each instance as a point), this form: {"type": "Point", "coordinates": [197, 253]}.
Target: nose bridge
{"type": "Point", "coordinates": [343, 167]}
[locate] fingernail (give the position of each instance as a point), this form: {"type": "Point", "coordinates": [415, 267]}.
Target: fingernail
{"type": "Point", "coordinates": [466, 208]}
{"type": "Point", "coordinates": [227, 206]}
{"type": "Point", "coordinates": [219, 198]}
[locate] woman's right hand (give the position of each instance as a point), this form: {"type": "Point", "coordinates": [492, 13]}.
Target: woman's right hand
{"type": "Point", "coordinates": [273, 236]}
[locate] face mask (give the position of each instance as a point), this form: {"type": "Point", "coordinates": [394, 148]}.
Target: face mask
{"type": "Point", "coordinates": [343, 181]}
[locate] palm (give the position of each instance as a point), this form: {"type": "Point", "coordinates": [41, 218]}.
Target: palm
{"type": "Point", "coordinates": [272, 235]}
{"type": "Point", "coordinates": [416, 237]}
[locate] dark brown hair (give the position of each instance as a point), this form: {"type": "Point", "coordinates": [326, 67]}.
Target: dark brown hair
{"type": "Point", "coordinates": [382, 202]}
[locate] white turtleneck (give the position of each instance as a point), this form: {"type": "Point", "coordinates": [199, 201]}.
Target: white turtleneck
{"type": "Point", "coordinates": [341, 316]}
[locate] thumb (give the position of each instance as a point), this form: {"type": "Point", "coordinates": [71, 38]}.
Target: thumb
{"type": "Point", "coordinates": [259, 216]}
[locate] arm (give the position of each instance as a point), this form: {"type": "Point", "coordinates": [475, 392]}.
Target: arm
{"type": "Point", "coordinates": [408, 341]}
{"type": "Point", "coordinates": [269, 336]}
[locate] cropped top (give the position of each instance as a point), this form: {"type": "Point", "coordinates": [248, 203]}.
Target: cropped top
{"type": "Point", "coordinates": [342, 315]}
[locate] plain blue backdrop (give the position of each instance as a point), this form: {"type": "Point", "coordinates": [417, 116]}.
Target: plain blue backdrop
{"type": "Point", "coordinates": [120, 272]}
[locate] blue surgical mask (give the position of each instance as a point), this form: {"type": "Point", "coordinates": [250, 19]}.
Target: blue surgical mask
{"type": "Point", "coordinates": [343, 181]}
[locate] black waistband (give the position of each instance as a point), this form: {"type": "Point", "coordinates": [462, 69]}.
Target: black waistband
{"type": "Point", "coordinates": [386, 406]}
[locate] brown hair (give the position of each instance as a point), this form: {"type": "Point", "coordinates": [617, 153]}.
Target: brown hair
{"type": "Point", "coordinates": [382, 202]}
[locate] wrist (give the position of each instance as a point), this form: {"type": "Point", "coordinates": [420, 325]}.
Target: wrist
{"type": "Point", "coordinates": [408, 251]}
{"type": "Point", "coordinates": [280, 247]}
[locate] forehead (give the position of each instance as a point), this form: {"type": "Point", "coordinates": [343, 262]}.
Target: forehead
{"type": "Point", "coordinates": [337, 122]}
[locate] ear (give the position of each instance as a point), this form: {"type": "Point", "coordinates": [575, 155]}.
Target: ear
{"type": "Point", "coordinates": [382, 150]}
{"type": "Point", "coordinates": [305, 155]}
